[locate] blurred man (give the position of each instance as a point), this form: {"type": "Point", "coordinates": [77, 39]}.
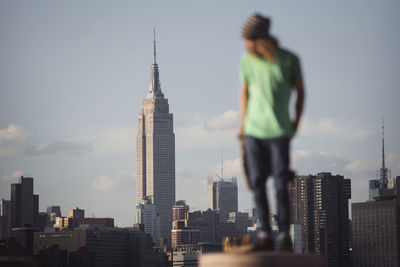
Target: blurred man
{"type": "Point", "coordinates": [268, 73]}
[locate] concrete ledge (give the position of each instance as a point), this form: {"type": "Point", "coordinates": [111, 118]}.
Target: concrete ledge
{"type": "Point", "coordinates": [17, 262]}
{"type": "Point", "coordinates": [258, 259]}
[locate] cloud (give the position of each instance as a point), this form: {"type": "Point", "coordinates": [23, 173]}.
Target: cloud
{"type": "Point", "coordinates": [12, 176]}
{"type": "Point", "coordinates": [116, 140]}
{"type": "Point", "coordinates": [329, 127]}
{"type": "Point", "coordinates": [13, 141]}
{"type": "Point", "coordinates": [231, 168]}
{"type": "Point", "coordinates": [17, 141]}
{"type": "Point", "coordinates": [368, 168]}
{"type": "Point", "coordinates": [209, 133]}
{"type": "Point", "coordinates": [228, 120]}
{"type": "Point", "coordinates": [311, 162]}
{"type": "Point", "coordinates": [71, 148]}
{"type": "Point", "coordinates": [104, 183]}
{"type": "Point", "coordinates": [121, 180]}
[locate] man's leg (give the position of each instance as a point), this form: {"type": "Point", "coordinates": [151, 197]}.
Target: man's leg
{"type": "Point", "coordinates": [279, 149]}
{"type": "Point", "coordinates": [258, 167]}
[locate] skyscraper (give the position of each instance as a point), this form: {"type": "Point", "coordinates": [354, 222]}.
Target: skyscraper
{"type": "Point", "coordinates": [146, 214]}
{"type": "Point", "coordinates": [179, 210]}
{"type": "Point", "coordinates": [376, 234]}
{"type": "Point", "coordinates": [155, 153]}
{"type": "Point", "coordinates": [376, 223]}
{"type": "Point", "coordinates": [322, 210]}
{"type": "Point", "coordinates": [5, 210]}
{"type": "Point", "coordinates": [378, 188]}
{"type": "Point", "coordinates": [222, 196]}
{"type": "Point", "coordinates": [24, 204]}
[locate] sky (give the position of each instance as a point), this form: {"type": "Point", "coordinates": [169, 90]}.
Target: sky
{"type": "Point", "coordinates": [73, 76]}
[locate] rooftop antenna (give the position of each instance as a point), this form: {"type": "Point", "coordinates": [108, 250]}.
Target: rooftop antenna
{"type": "Point", "coordinates": [222, 162]}
{"type": "Point", "coordinates": [221, 178]}
{"type": "Point", "coordinates": [383, 170]}
{"type": "Point", "coordinates": [383, 145]}
{"type": "Point", "coordinates": [154, 43]}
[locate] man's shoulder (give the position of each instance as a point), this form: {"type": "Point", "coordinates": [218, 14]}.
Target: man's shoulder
{"type": "Point", "coordinates": [288, 54]}
{"type": "Point", "coordinates": [246, 57]}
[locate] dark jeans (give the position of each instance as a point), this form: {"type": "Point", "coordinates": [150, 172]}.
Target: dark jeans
{"type": "Point", "coordinates": [265, 157]}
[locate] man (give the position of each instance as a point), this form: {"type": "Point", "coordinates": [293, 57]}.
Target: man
{"type": "Point", "coordinates": [268, 73]}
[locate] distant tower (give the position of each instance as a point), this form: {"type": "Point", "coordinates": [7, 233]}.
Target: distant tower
{"type": "Point", "coordinates": [376, 223]}
{"type": "Point", "coordinates": [24, 204]}
{"type": "Point", "coordinates": [322, 204]}
{"type": "Point", "coordinates": [383, 177]}
{"type": "Point", "coordinates": [222, 196]}
{"type": "Point", "coordinates": [146, 214]}
{"type": "Point", "coordinates": [155, 152]}
{"type": "Point", "coordinates": [179, 210]}
{"type": "Point", "coordinates": [377, 187]}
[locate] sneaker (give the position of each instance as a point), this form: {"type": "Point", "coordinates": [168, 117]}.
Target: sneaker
{"type": "Point", "coordinates": [285, 242]}
{"type": "Point", "coordinates": [263, 242]}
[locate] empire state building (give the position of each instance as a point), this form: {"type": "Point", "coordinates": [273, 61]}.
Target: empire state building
{"type": "Point", "coordinates": [155, 153]}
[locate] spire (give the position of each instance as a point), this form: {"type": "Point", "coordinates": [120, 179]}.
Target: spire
{"type": "Point", "coordinates": [155, 87]}
{"type": "Point", "coordinates": [383, 171]}
{"type": "Point", "coordinates": [383, 145]}
{"type": "Point", "coordinates": [154, 43]}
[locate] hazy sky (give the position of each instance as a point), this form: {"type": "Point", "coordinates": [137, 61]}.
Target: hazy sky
{"type": "Point", "coordinates": [73, 75]}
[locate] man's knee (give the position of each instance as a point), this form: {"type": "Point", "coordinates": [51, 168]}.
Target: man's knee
{"type": "Point", "coordinates": [258, 185]}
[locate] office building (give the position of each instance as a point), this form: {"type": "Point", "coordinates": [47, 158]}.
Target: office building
{"type": "Point", "coordinates": [376, 223]}
{"type": "Point", "coordinates": [63, 223]}
{"type": "Point", "coordinates": [23, 238]}
{"type": "Point", "coordinates": [110, 246]}
{"type": "Point", "coordinates": [208, 224]}
{"type": "Point", "coordinates": [222, 196]}
{"type": "Point", "coordinates": [77, 215]}
{"type": "Point", "coordinates": [382, 187]}
{"type": "Point", "coordinates": [106, 222]}
{"type": "Point", "coordinates": [322, 209]}
{"type": "Point", "coordinates": [295, 201]}
{"type": "Point", "coordinates": [376, 233]}
{"type": "Point", "coordinates": [184, 236]}
{"type": "Point", "coordinates": [185, 258]}
{"type": "Point", "coordinates": [241, 221]}
{"type": "Point", "coordinates": [52, 213]}
{"type": "Point", "coordinates": [54, 257]}
{"type": "Point", "coordinates": [146, 215]}
{"type": "Point", "coordinates": [54, 209]}
{"type": "Point", "coordinates": [24, 204]}
{"type": "Point", "coordinates": [82, 258]}
{"type": "Point", "coordinates": [179, 210]}
{"type": "Point", "coordinates": [5, 218]}
{"type": "Point", "coordinates": [155, 153]}
{"type": "Point", "coordinates": [187, 255]}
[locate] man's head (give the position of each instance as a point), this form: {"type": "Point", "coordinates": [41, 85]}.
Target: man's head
{"type": "Point", "coordinates": [255, 32]}
{"type": "Point", "coordinates": [256, 27]}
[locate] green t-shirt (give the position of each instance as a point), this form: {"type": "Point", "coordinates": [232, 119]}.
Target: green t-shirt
{"type": "Point", "coordinates": [269, 87]}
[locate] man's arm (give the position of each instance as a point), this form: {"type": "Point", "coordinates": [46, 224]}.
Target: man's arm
{"type": "Point", "coordinates": [243, 107]}
{"type": "Point", "coordinates": [299, 105]}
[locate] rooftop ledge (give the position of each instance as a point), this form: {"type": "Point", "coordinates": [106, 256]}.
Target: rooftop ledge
{"type": "Point", "coordinates": [258, 259]}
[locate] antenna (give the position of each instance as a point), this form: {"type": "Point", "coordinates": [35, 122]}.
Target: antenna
{"type": "Point", "coordinates": [383, 144]}
{"type": "Point", "coordinates": [154, 43]}
{"type": "Point", "coordinates": [222, 162]}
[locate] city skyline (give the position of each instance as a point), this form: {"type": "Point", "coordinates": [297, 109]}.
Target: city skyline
{"type": "Point", "coordinates": [70, 89]}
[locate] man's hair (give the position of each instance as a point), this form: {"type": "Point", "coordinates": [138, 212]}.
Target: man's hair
{"type": "Point", "coordinates": [256, 27]}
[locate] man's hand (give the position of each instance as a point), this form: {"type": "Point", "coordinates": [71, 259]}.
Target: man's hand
{"type": "Point", "coordinates": [243, 107]}
{"type": "Point", "coordinates": [240, 133]}
{"type": "Point", "coordinates": [295, 125]}
{"type": "Point", "coordinates": [299, 106]}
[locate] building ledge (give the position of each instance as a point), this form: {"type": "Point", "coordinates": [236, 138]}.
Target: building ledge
{"type": "Point", "coordinates": [258, 259]}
